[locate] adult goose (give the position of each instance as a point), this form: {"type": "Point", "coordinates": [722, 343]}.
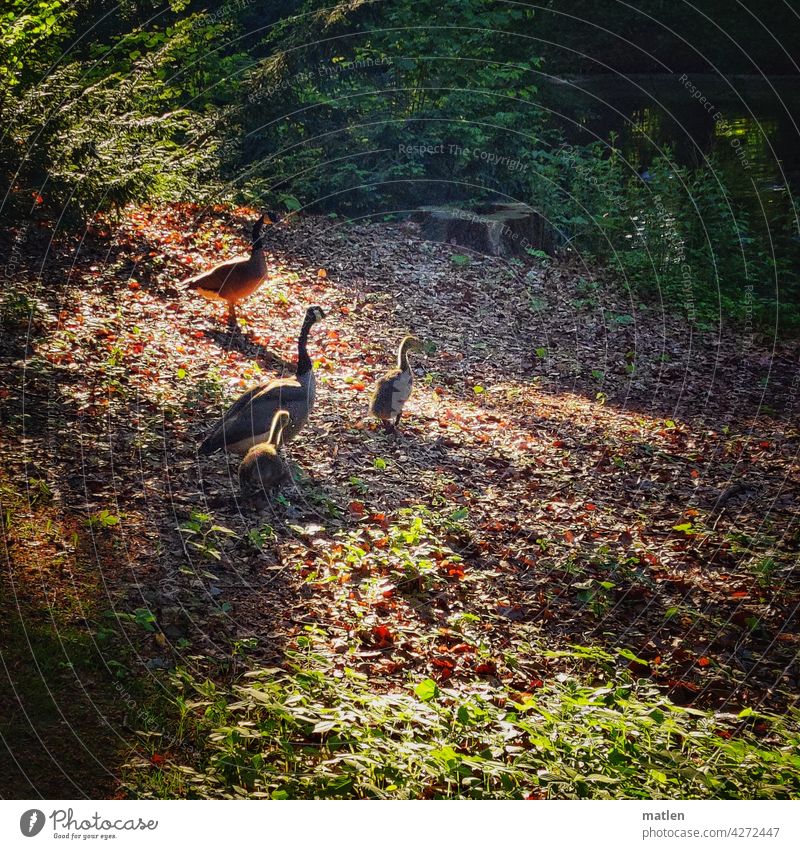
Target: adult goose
{"type": "Point", "coordinates": [236, 279]}
{"type": "Point", "coordinates": [394, 388]}
{"type": "Point", "coordinates": [247, 421]}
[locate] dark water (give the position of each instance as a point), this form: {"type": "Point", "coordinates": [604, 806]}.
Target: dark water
{"type": "Point", "coordinates": [749, 124]}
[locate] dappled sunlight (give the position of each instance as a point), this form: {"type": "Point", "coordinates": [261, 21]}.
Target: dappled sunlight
{"type": "Point", "coordinates": [586, 517]}
{"type": "Point", "coordinates": [531, 501]}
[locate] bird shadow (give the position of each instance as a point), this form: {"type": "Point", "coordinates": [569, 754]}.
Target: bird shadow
{"type": "Point", "coordinates": [232, 339]}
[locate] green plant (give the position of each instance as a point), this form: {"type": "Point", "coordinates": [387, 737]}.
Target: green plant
{"type": "Point", "coordinates": [142, 617]}
{"type": "Point", "coordinates": [596, 595]}
{"type": "Point", "coordinates": [303, 732]}
{"type": "Point", "coordinates": [103, 519]}
{"type": "Point", "coordinates": [202, 533]}
{"type": "Point", "coordinates": [764, 569]}
{"type": "Point", "coordinates": [16, 310]}
{"type": "Point", "coordinates": [38, 491]}
{"type": "Point", "coordinates": [258, 538]}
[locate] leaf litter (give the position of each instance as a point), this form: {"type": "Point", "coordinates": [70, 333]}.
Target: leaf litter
{"type": "Point", "coordinates": [562, 477]}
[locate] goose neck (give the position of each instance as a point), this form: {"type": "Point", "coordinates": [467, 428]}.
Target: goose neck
{"type": "Point", "coordinates": [304, 364]}
{"type": "Point", "coordinates": [402, 356]}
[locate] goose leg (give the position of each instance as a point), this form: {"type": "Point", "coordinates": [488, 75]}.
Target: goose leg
{"type": "Point", "coordinates": [387, 426]}
{"type": "Point", "coordinates": [232, 314]}
{"type": "Point", "coordinates": [397, 420]}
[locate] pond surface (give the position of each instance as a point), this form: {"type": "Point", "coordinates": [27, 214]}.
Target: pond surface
{"type": "Point", "coordinates": [749, 124]}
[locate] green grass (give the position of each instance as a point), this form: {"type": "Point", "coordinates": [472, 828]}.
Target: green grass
{"type": "Point", "coordinates": [315, 731]}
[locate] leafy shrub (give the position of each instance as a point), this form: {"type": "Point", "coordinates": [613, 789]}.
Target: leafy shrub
{"type": "Point", "coordinates": [305, 733]}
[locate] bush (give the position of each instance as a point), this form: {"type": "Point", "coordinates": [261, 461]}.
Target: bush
{"type": "Point", "coordinates": [306, 733]}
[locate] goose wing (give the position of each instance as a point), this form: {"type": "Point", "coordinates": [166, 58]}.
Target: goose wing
{"type": "Point", "coordinates": [215, 278]}
{"type": "Point", "coordinates": [391, 393]}
{"type": "Point", "coordinates": [251, 414]}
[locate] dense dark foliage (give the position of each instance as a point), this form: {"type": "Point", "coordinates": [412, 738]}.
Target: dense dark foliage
{"type": "Point", "coordinates": [369, 108]}
{"type": "Point", "coordinates": [658, 36]}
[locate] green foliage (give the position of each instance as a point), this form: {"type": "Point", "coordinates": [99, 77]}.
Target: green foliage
{"type": "Point", "coordinates": [103, 519]}
{"type": "Point", "coordinates": [339, 120]}
{"type": "Point", "coordinates": [306, 732]}
{"type": "Point", "coordinates": [132, 118]}
{"type": "Point", "coordinates": [29, 30]}
{"type": "Point", "coordinates": [681, 236]}
{"type": "Point", "coordinates": [142, 617]}
{"type": "Point", "coordinates": [17, 310]}
{"type": "Point", "coordinates": [201, 533]}
{"type": "Point", "coordinates": [355, 108]}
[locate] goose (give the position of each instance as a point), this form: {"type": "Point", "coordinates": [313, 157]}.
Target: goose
{"type": "Point", "coordinates": [245, 423]}
{"type": "Point", "coordinates": [394, 388]}
{"type": "Point", "coordinates": [263, 468]}
{"type": "Point", "coordinates": [236, 279]}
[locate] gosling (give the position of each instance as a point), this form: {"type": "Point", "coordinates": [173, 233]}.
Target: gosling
{"type": "Point", "coordinates": [263, 468]}
{"type": "Point", "coordinates": [394, 388]}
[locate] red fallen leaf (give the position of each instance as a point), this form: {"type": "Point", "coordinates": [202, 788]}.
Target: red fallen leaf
{"type": "Point", "coordinates": [675, 683]}
{"type": "Point", "coordinates": [461, 648]}
{"type": "Point", "coordinates": [725, 735]}
{"type": "Point", "coordinates": [486, 668]}
{"type": "Point", "coordinates": [703, 661]}
{"type": "Point", "coordinates": [740, 594]}
{"type": "Point", "coordinates": [535, 684]}
{"type": "Point", "coordinates": [695, 473]}
{"type": "Point", "coordinates": [133, 284]}
{"type": "Point", "coordinates": [764, 444]}
{"type": "Point", "coordinates": [558, 443]}
{"type": "Point", "coordinates": [382, 636]}
{"type": "Point", "coordinates": [359, 387]}
{"type": "Point", "coordinates": [157, 760]}
{"type": "Point", "coordinates": [590, 506]}
{"type": "Point", "coordinates": [569, 537]}
{"type": "Point", "coordinates": [455, 572]}
{"type": "Point", "coordinates": [37, 197]}
{"type": "Point", "coordinates": [357, 507]}
{"type": "Point", "coordinates": [443, 663]}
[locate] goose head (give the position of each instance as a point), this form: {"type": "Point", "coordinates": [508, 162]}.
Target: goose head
{"type": "Point", "coordinates": [313, 315]}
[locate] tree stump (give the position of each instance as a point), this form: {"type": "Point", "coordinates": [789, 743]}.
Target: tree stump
{"type": "Point", "coordinates": [498, 229]}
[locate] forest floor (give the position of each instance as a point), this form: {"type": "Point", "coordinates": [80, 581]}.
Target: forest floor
{"type": "Point", "coordinates": [583, 487]}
